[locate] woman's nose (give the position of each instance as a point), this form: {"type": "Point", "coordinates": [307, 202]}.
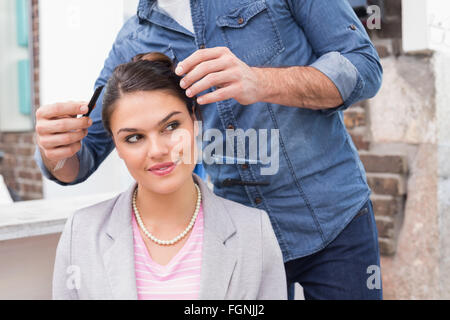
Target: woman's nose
{"type": "Point", "coordinates": [157, 149]}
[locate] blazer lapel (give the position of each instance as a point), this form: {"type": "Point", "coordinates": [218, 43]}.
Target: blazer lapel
{"type": "Point", "coordinates": [218, 264]}
{"type": "Point", "coordinates": [119, 258]}
{"type": "Point", "coordinates": [219, 255]}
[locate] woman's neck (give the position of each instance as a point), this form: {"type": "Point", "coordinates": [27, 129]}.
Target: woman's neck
{"type": "Point", "coordinates": [174, 209]}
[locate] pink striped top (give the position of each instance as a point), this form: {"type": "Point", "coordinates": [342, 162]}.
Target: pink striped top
{"type": "Point", "coordinates": [180, 278]}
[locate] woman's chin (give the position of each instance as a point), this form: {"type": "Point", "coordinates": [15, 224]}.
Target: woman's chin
{"type": "Point", "coordinates": [165, 184]}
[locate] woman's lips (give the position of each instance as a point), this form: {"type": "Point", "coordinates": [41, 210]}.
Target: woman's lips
{"type": "Point", "coordinates": [163, 168]}
{"type": "Point", "coordinates": [161, 165]}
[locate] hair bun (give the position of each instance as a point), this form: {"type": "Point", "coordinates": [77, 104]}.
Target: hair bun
{"type": "Point", "coordinates": [155, 57]}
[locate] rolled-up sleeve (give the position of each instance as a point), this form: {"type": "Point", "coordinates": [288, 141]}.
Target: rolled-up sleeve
{"type": "Point", "coordinates": [342, 46]}
{"type": "Point", "coordinates": [86, 163]}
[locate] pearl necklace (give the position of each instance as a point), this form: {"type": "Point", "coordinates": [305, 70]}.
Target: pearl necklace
{"type": "Point", "coordinates": [181, 235]}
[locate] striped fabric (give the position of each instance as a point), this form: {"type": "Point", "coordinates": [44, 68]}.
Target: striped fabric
{"type": "Point", "coordinates": [180, 278]}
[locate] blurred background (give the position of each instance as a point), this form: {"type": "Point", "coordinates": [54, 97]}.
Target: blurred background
{"type": "Point", "coordinates": [53, 51]}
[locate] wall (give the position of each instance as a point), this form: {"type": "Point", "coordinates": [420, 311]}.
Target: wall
{"type": "Point", "coordinates": [409, 116]}
{"type": "Point", "coordinates": [27, 267]}
{"type": "Point", "coordinates": [18, 168]}
{"type": "Point", "coordinates": [442, 76]}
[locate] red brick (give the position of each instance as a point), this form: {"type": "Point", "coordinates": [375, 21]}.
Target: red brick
{"type": "Point", "coordinates": [9, 149]}
{"type": "Point", "coordinates": [387, 205]}
{"type": "Point", "coordinates": [10, 138]}
{"type": "Point", "coordinates": [10, 162]}
{"type": "Point", "coordinates": [37, 176]}
{"type": "Point", "coordinates": [29, 188]}
{"type": "Point", "coordinates": [25, 175]}
{"type": "Point", "coordinates": [391, 28]}
{"type": "Point", "coordinates": [383, 51]}
{"type": "Point", "coordinates": [388, 184]}
{"type": "Point", "coordinates": [32, 196]}
{"type": "Point", "coordinates": [393, 7]}
{"type": "Point", "coordinates": [24, 152]}
{"type": "Point", "coordinates": [384, 163]}
{"type": "Point", "coordinates": [354, 117]}
{"type": "Point", "coordinates": [29, 139]}
{"type": "Point", "coordinates": [13, 185]}
{"type": "Point", "coordinates": [360, 142]}
{"type": "Point", "coordinates": [385, 226]}
{"type": "Point", "coordinates": [387, 246]}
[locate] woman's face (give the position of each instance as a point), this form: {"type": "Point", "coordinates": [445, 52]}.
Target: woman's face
{"type": "Point", "coordinates": [154, 128]}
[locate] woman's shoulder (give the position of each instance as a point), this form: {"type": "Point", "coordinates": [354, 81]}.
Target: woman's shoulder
{"type": "Point", "coordinates": [93, 216]}
{"type": "Point", "coordinates": [98, 208]}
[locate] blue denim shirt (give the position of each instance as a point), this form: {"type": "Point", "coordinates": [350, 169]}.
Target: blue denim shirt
{"type": "Point", "coordinates": [320, 184]}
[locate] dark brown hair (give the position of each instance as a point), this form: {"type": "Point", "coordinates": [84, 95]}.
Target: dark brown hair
{"type": "Point", "coordinates": [146, 72]}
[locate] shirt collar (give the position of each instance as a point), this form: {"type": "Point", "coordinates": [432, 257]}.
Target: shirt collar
{"type": "Point", "coordinates": [144, 8]}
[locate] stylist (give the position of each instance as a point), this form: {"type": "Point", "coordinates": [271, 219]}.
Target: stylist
{"type": "Point", "coordinates": [287, 65]}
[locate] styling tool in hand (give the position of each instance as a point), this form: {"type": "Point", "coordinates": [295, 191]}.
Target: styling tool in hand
{"type": "Point", "coordinates": [93, 101]}
{"type": "Point", "coordinates": [91, 106]}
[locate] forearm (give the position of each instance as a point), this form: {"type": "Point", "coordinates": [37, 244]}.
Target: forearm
{"type": "Point", "coordinates": [303, 87]}
{"type": "Point", "coordinates": [67, 173]}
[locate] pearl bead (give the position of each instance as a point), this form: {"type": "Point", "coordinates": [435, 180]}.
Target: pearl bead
{"type": "Point", "coordinates": [178, 237]}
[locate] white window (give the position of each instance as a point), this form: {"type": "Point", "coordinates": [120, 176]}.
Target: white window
{"type": "Point", "coordinates": [426, 25]}
{"type": "Point", "coordinates": [16, 92]}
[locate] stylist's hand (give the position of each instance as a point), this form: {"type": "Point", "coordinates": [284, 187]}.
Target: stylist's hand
{"type": "Point", "coordinates": [58, 130]}
{"type": "Point", "coordinates": [220, 68]}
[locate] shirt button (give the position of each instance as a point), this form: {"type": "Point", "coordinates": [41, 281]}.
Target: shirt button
{"type": "Point", "coordinates": [241, 20]}
{"type": "Point", "coordinates": [230, 126]}
{"type": "Point", "coordinates": [258, 200]}
{"type": "Point", "coordinates": [202, 46]}
{"type": "Point", "coordinates": [244, 166]}
{"type": "Point", "coordinates": [353, 27]}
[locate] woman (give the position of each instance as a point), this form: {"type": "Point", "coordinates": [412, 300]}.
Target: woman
{"type": "Point", "coordinates": [168, 236]}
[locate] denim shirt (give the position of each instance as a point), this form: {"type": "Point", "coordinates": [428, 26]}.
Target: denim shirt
{"type": "Point", "coordinates": [320, 184]}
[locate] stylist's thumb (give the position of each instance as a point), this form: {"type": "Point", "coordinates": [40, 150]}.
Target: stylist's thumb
{"type": "Point", "coordinates": [58, 130]}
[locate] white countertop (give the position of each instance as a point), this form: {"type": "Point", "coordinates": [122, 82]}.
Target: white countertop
{"type": "Point", "coordinates": [40, 217]}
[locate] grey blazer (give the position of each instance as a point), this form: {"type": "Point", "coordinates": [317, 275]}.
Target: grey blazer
{"type": "Point", "coordinates": [241, 258]}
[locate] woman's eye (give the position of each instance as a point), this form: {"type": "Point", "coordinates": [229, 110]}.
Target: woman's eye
{"type": "Point", "coordinates": [172, 126]}
{"type": "Point", "coordinates": [130, 139]}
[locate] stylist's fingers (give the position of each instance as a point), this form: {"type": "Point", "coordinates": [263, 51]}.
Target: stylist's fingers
{"type": "Point", "coordinates": [216, 79]}
{"type": "Point", "coordinates": [197, 57]}
{"type": "Point", "coordinates": [62, 125]}
{"type": "Point", "coordinates": [63, 152]}
{"type": "Point", "coordinates": [202, 70]}
{"type": "Point", "coordinates": [62, 110]}
{"type": "Point", "coordinates": [62, 139]}
{"type": "Point", "coordinates": [221, 94]}
{"type": "Point", "coordinates": [58, 130]}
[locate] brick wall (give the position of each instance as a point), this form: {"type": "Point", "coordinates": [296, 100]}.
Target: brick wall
{"type": "Point", "coordinates": [386, 176]}
{"type": "Point", "coordinates": [18, 168]}
{"type": "Point", "coordinates": [386, 173]}
{"type": "Point", "coordinates": [388, 39]}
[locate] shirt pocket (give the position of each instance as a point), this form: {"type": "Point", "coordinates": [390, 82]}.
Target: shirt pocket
{"type": "Point", "coordinates": [251, 33]}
